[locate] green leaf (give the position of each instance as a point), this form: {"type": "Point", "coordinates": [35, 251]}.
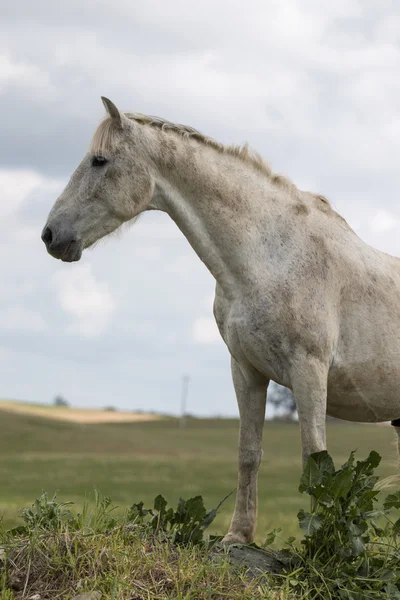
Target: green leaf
{"type": "Point", "coordinates": [137, 510]}
{"type": "Point", "coordinates": [345, 552]}
{"type": "Point", "coordinates": [195, 508]}
{"type": "Point", "coordinates": [396, 527]}
{"type": "Point", "coordinates": [365, 503]}
{"type": "Point", "coordinates": [387, 575]}
{"type": "Point", "coordinates": [168, 515]}
{"type": "Point", "coordinates": [271, 536]}
{"type": "Point", "coordinates": [181, 509]}
{"type": "Point", "coordinates": [377, 529]}
{"type": "Point", "coordinates": [355, 529]}
{"type": "Point", "coordinates": [160, 504]}
{"type": "Point", "coordinates": [19, 530]}
{"type": "Point", "coordinates": [350, 462]}
{"type": "Point", "coordinates": [392, 592]}
{"type": "Point", "coordinates": [374, 459]}
{"type": "Point", "coordinates": [323, 495]}
{"type": "Point", "coordinates": [367, 466]}
{"type": "Point", "coordinates": [357, 545]}
{"type": "Point", "coordinates": [290, 540]}
{"type": "Point", "coordinates": [323, 461]}
{"type": "Point", "coordinates": [392, 501]}
{"type": "Point", "coordinates": [311, 476]}
{"type": "Point", "coordinates": [341, 483]}
{"type": "Point", "coordinates": [309, 523]}
{"type": "Point", "coordinates": [209, 518]}
{"type": "Point", "coordinates": [373, 514]}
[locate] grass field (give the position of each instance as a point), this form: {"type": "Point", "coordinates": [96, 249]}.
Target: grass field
{"type": "Point", "coordinates": [136, 461]}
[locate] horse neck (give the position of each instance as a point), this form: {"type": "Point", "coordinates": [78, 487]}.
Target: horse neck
{"type": "Point", "coordinates": [219, 204]}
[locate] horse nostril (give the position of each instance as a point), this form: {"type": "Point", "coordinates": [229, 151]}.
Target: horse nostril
{"type": "Point", "coordinates": [47, 236]}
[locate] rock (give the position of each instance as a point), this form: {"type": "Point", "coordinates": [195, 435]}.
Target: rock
{"type": "Point", "coordinates": [257, 560]}
{"type": "Point", "coordinates": [35, 597]}
{"type": "Point", "coordinates": [88, 596]}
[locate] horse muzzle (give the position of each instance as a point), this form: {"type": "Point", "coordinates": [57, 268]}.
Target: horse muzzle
{"type": "Point", "coordinates": [62, 243]}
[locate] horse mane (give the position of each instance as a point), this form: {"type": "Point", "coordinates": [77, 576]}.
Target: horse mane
{"type": "Point", "coordinates": [243, 152]}
{"type": "Point", "coordinates": [106, 135]}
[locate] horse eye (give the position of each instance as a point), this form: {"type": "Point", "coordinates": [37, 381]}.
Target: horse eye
{"type": "Point", "coordinates": [98, 161]}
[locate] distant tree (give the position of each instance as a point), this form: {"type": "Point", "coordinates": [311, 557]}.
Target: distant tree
{"type": "Point", "coordinates": [60, 401]}
{"type": "Point", "coordinates": [282, 400]}
{"type": "Point", "coordinates": [110, 408]}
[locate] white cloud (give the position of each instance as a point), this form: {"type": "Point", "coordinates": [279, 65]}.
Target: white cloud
{"type": "Point", "coordinates": [26, 234]}
{"type": "Point", "coordinates": [205, 331]}
{"type": "Point", "coordinates": [139, 329]}
{"type": "Point", "coordinates": [209, 301]}
{"type": "Point", "coordinates": [171, 338]}
{"type": "Point", "coordinates": [159, 227]}
{"type": "Point", "coordinates": [15, 290]}
{"type": "Point", "coordinates": [183, 265]}
{"type": "Point", "coordinates": [148, 252]}
{"type": "Point", "coordinates": [24, 75]}
{"type": "Point", "coordinates": [17, 185]}
{"type": "Point", "coordinates": [87, 300]}
{"type": "Point", "coordinates": [383, 221]}
{"type": "Point", "coordinates": [15, 188]}
{"type": "Point", "coordinates": [21, 318]}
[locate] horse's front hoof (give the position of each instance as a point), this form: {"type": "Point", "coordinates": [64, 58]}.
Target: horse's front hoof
{"type": "Point", "coordinates": [235, 538]}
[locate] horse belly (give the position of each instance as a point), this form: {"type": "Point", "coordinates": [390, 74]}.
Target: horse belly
{"type": "Point", "coordinates": [368, 392]}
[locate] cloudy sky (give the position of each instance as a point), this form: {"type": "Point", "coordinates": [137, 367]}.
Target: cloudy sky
{"type": "Point", "coordinates": [314, 85]}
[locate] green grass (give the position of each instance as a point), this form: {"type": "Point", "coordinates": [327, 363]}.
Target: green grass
{"type": "Point", "coordinates": [137, 461]}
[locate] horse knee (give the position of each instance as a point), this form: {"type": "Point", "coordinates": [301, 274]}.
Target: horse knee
{"type": "Point", "coordinates": [249, 460]}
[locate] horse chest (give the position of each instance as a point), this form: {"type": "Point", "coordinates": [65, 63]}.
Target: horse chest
{"type": "Point", "coordinates": [228, 316]}
{"type": "Point", "coordinates": [247, 340]}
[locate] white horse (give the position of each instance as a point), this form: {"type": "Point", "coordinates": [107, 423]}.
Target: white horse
{"type": "Point", "coordinates": [300, 299]}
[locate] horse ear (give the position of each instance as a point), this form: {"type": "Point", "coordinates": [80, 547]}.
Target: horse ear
{"type": "Point", "coordinates": [112, 110]}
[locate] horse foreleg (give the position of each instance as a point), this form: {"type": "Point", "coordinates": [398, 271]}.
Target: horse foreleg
{"type": "Point", "coordinates": [396, 425]}
{"type": "Point", "coordinates": [251, 397]}
{"type": "Point", "coordinates": [309, 384]}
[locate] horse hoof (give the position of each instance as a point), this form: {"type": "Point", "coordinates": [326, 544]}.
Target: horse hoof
{"type": "Point", "coordinates": [234, 538]}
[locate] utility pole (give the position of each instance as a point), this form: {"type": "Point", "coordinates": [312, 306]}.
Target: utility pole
{"type": "Point", "coordinates": [184, 397]}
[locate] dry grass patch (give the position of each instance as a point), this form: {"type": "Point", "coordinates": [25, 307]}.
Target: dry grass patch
{"type": "Point", "coordinates": [76, 415]}
{"type": "Point", "coordinates": [125, 565]}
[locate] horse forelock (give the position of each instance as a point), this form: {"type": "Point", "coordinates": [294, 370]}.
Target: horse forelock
{"type": "Point", "coordinates": [105, 137]}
